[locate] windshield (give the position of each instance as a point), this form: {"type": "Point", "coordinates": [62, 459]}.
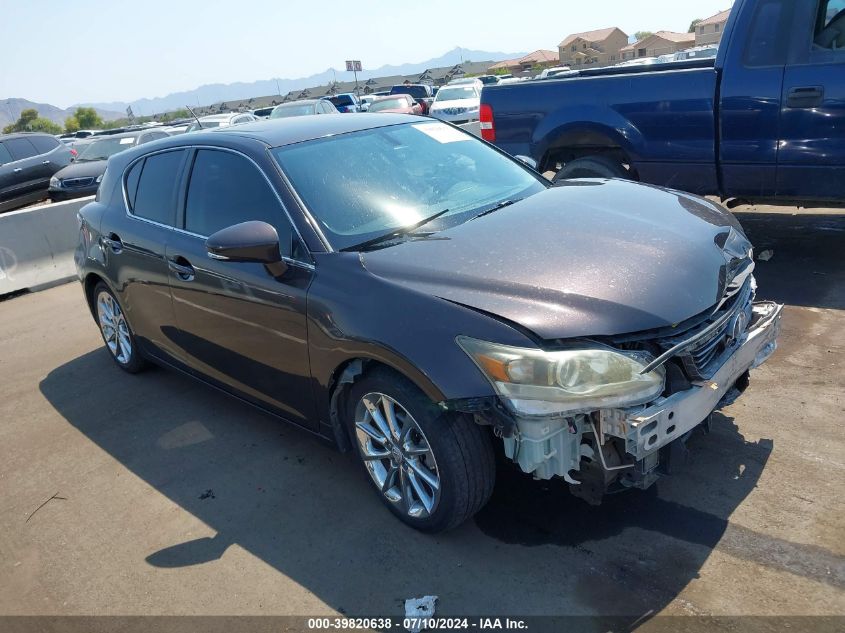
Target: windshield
{"type": "Point", "coordinates": [388, 104]}
{"type": "Point", "coordinates": [456, 92]}
{"type": "Point", "coordinates": [294, 109]}
{"type": "Point", "coordinates": [364, 184]}
{"type": "Point", "coordinates": [101, 150]}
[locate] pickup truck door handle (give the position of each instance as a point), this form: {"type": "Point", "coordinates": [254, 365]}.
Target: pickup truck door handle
{"type": "Point", "coordinates": [805, 97]}
{"type": "Point", "coordinates": [182, 268]}
{"type": "Point", "coordinates": [113, 242]}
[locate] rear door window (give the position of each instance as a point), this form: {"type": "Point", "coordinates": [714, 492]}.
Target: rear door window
{"type": "Point", "coordinates": [20, 148]}
{"type": "Point", "coordinates": [44, 144]}
{"type": "Point", "coordinates": [5, 156]}
{"type": "Point", "coordinates": [155, 195]}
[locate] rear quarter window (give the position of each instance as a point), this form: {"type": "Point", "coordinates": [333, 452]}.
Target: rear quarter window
{"type": "Point", "coordinates": [5, 156]}
{"type": "Point", "coordinates": [155, 195]}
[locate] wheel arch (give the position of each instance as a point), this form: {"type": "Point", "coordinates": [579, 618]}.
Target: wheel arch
{"type": "Point", "coordinates": [350, 371]}
{"type": "Point", "coordinates": [88, 284]}
{"type": "Point", "coordinates": [617, 139]}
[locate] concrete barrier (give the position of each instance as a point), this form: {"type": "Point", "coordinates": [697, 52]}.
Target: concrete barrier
{"type": "Point", "coordinates": [37, 245]}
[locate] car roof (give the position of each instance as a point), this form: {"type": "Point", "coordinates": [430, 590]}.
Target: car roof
{"type": "Point", "coordinates": [130, 134]}
{"type": "Point", "coordinates": [6, 137]}
{"type": "Point", "coordinates": [299, 102]}
{"type": "Point", "coordinates": [287, 131]}
{"type": "Point", "coordinates": [225, 116]}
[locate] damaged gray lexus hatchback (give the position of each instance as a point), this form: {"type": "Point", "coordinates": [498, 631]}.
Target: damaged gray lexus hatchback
{"type": "Point", "coordinates": [413, 294]}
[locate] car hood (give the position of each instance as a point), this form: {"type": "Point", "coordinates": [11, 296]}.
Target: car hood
{"type": "Point", "coordinates": [586, 258]}
{"type": "Point", "coordinates": [82, 170]}
{"type": "Point", "coordinates": [455, 103]}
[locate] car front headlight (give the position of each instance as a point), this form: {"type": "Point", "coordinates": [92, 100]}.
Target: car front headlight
{"type": "Point", "coordinates": [534, 382]}
{"type": "Point", "coordinates": [55, 183]}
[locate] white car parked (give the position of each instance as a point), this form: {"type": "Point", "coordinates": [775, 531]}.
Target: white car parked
{"type": "Point", "coordinates": [457, 102]}
{"type": "Point", "coordinates": [221, 120]}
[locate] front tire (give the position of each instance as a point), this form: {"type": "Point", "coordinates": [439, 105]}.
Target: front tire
{"type": "Point", "coordinates": [115, 330]}
{"type": "Point", "coordinates": [432, 469]}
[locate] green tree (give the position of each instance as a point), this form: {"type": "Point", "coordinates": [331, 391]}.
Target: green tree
{"type": "Point", "coordinates": [694, 24]}
{"type": "Point", "coordinates": [29, 121]}
{"type": "Point", "coordinates": [71, 124]}
{"type": "Point", "coordinates": [641, 35]}
{"type": "Point", "coordinates": [88, 118]}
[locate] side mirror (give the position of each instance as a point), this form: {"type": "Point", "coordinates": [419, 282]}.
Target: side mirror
{"type": "Point", "coordinates": [252, 241]}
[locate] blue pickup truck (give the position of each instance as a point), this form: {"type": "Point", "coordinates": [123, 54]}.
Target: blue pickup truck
{"type": "Point", "coordinates": [764, 121]}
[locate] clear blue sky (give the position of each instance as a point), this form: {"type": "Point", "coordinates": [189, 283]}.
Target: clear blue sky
{"type": "Point", "coordinates": [71, 51]}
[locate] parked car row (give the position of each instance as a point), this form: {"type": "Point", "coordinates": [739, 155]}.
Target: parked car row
{"type": "Point", "coordinates": [35, 166]}
{"type": "Point", "coordinates": [27, 162]}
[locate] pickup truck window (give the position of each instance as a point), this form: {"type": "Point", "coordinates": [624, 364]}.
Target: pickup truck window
{"type": "Point", "coordinates": [830, 25]}
{"type": "Point", "coordinates": [770, 32]}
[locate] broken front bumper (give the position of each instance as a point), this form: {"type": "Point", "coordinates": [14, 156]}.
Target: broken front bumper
{"type": "Point", "coordinates": [648, 429]}
{"type": "Point", "coordinates": [553, 447]}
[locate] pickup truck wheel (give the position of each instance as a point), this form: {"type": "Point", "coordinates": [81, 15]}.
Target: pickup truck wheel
{"type": "Point", "coordinates": [433, 470]}
{"type": "Point", "coordinates": [592, 167]}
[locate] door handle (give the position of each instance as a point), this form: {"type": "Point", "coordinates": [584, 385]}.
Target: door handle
{"type": "Point", "coordinates": [17, 170]}
{"type": "Point", "coordinates": [181, 268]}
{"type": "Point", "coordinates": [805, 97]}
{"type": "Point", "coordinates": [113, 242]}
{"type": "Point", "coordinates": [45, 162]}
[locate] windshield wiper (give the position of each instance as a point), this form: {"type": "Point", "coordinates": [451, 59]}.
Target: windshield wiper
{"type": "Point", "coordinates": [501, 205]}
{"type": "Point", "coordinates": [395, 234]}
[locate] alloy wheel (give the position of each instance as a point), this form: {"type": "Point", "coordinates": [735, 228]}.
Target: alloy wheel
{"type": "Point", "coordinates": [397, 455]}
{"type": "Point", "coordinates": [114, 327]}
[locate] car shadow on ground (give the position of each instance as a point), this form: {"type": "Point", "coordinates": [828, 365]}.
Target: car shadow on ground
{"type": "Point", "coordinates": [306, 510]}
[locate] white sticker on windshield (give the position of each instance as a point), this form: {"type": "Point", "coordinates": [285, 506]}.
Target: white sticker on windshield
{"type": "Point", "coordinates": [127, 141]}
{"type": "Point", "coordinates": [442, 133]}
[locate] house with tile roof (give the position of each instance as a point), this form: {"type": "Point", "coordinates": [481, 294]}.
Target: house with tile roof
{"type": "Point", "coordinates": [527, 64]}
{"type": "Point", "coordinates": [660, 43]}
{"type": "Point", "coordinates": [710, 31]}
{"type": "Point", "coordinates": [592, 49]}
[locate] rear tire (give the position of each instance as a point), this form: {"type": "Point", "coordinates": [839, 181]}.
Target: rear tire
{"type": "Point", "coordinates": [115, 330]}
{"type": "Point", "coordinates": [592, 167]}
{"type": "Point", "coordinates": [432, 469]}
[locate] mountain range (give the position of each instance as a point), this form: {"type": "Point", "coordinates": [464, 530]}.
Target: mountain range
{"type": "Point", "coordinates": [216, 93]}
